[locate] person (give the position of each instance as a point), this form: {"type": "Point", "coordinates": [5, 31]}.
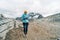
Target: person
{"type": "Point", "coordinates": [25, 20]}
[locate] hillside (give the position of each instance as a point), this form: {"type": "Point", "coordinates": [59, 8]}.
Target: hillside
{"type": "Point", "coordinates": [41, 29]}
{"type": "Point", "coordinates": [6, 24]}
{"type": "Point", "coordinates": [53, 18]}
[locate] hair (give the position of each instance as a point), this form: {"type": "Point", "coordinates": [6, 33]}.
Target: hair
{"type": "Point", "coordinates": [25, 11]}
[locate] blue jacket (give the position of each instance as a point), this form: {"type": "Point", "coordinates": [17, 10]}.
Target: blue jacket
{"type": "Point", "coordinates": [25, 18]}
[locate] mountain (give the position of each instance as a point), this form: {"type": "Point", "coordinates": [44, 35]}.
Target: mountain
{"type": "Point", "coordinates": [53, 18]}
{"type": "Point", "coordinates": [47, 28]}
{"type": "Point", "coordinates": [56, 17]}
{"type": "Point", "coordinates": [35, 15]}
{"type": "Point", "coordinates": [32, 16]}
{"type": "Point", "coordinates": [2, 17]}
{"type": "Point", "coordinates": [6, 24]}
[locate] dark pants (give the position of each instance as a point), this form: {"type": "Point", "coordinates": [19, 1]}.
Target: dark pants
{"type": "Point", "coordinates": [25, 26]}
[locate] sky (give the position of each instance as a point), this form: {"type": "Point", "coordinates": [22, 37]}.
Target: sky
{"type": "Point", "coordinates": [15, 8]}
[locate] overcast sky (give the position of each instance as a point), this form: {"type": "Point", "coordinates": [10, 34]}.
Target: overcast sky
{"type": "Point", "coordinates": [17, 7]}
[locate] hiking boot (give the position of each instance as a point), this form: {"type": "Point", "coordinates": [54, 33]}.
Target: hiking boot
{"type": "Point", "coordinates": [25, 36]}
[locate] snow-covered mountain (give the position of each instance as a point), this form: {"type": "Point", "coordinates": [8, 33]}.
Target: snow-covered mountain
{"type": "Point", "coordinates": [42, 29]}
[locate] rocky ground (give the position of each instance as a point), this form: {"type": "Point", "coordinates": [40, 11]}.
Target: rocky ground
{"type": "Point", "coordinates": [38, 30]}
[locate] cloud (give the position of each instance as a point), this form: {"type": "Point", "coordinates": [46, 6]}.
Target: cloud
{"type": "Point", "coordinates": [52, 8]}
{"type": "Point", "coordinates": [45, 7]}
